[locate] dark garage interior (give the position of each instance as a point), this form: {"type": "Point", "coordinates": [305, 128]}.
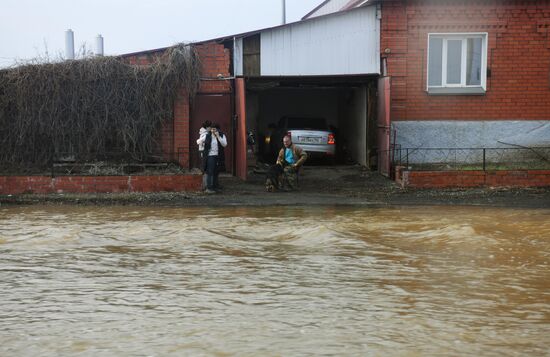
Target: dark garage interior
{"type": "Point", "coordinates": [347, 105]}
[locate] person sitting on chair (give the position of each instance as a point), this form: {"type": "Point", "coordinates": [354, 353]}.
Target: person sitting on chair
{"type": "Point", "coordinates": [291, 158]}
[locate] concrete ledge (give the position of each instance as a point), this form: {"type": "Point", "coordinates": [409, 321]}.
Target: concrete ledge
{"type": "Point", "coordinates": [449, 179]}
{"type": "Point", "coordinates": [456, 91]}
{"type": "Point", "coordinates": [13, 185]}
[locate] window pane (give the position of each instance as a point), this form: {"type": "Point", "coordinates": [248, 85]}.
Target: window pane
{"type": "Point", "coordinates": [454, 61]}
{"type": "Point", "coordinates": [307, 123]}
{"type": "Point", "coordinates": [435, 59]}
{"type": "Point", "coordinates": [473, 62]}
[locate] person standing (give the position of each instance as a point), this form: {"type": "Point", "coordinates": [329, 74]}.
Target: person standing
{"type": "Point", "coordinates": [291, 158]}
{"type": "Point", "coordinates": [214, 144]}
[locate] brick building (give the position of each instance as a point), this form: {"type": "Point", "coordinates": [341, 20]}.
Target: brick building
{"type": "Point", "coordinates": [393, 76]}
{"type": "Point", "coordinates": [250, 80]}
{"type": "Point", "coordinates": [468, 73]}
{"type": "Point", "coordinates": [469, 83]}
{"type": "Point", "coordinates": [450, 74]}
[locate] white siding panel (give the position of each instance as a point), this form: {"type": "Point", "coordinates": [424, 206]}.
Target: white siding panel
{"type": "Point", "coordinates": [342, 44]}
{"type": "Point", "coordinates": [238, 57]}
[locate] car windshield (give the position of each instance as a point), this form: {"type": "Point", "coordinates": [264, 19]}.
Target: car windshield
{"type": "Point", "coordinates": [307, 123]}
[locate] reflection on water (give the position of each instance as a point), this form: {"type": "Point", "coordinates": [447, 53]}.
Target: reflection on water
{"type": "Point", "coordinates": [274, 281]}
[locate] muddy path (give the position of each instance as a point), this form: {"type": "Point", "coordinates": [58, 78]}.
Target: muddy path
{"type": "Point", "coordinates": [320, 185]}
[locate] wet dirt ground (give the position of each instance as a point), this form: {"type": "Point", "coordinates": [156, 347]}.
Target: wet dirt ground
{"type": "Point", "coordinates": [319, 185]}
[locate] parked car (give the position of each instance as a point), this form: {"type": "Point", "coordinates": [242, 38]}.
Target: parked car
{"type": "Point", "coordinates": [312, 134]}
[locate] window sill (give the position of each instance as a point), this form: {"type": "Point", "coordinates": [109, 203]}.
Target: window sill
{"type": "Point", "coordinates": [457, 91]}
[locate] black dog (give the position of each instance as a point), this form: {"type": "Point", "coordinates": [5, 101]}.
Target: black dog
{"type": "Point", "coordinates": [273, 178]}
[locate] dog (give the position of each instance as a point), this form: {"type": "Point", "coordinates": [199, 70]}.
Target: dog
{"type": "Point", "coordinates": [273, 178]}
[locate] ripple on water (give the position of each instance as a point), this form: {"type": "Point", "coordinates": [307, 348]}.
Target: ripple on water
{"type": "Point", "coordinates": [274, 281]}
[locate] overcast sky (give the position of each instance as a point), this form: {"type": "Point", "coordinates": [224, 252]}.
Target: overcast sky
{"type": "Point", "coordinates": [31, 27]}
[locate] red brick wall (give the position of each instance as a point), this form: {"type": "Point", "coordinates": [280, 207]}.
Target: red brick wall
{"type": "Point", "coordinates": [446, 179]}
{"type": "Point", "coordinates": [13, 185]}
{"type": "Point", "coordinates": [180, 129]}
{"type": "Point", "coordinates": [518, 57]}
{"type": "Point", "coordinates": [215, 60]}
{"type": "Point", "coordinates": [174, 137]}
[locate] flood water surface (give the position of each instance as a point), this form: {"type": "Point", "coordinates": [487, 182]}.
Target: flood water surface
{"type": "Point", "coordinates": [102, 281]}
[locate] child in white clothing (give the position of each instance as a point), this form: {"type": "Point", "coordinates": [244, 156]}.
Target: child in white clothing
{"type": "Point", "coordinates": [203, 131]}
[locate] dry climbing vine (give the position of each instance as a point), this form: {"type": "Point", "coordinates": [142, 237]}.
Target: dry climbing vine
{"type": "Point", "coordinates": [90, 108]}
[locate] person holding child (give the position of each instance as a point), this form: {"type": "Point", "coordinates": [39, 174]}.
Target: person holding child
{"type": "Point", "coordinates": [214, 157]}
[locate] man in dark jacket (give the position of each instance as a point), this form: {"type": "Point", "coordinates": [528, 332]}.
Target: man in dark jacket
{"type": "Point", "coordinates": [214, 142]}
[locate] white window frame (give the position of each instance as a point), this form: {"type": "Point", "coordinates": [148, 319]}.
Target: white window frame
{"type": "Point", "coordinates": [461, 88]}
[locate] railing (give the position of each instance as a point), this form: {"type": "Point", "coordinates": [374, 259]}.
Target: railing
{"type": "Point", "coordinates": [115, 163]}
{"type": "Point", "coordinates": [460, 159]}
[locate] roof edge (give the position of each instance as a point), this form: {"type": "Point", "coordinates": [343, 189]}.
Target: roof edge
{"type": "Point", "coordinates": [349, 6]}
{"type": "Point", "coordinates": [253, 32]}
{"type": "Point", "coordinates": [306, 16]}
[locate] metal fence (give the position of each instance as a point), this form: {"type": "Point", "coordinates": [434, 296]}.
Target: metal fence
{"type": "Point", "coordinates": [111, 163]}
{"type": "Point", "coordinates": [118, 163]}
{"type": "Point", "coordinates": [460, 159]}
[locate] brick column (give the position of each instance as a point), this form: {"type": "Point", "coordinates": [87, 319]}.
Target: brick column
{"type": "Point", "coordinates": [181, 129]}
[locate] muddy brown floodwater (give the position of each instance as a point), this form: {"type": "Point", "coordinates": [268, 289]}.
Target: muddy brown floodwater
{"type": "Point", "coordinates": [138, 281]}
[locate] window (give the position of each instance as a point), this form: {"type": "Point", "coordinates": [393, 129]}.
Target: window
{"type": "Point", "coordinates": [307, 123]}
{"type": "Point", "coordinates": [457, 63]}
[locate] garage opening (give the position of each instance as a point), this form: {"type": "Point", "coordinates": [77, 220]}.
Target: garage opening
{"type": "Point", "coordinates": [343, 107]}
